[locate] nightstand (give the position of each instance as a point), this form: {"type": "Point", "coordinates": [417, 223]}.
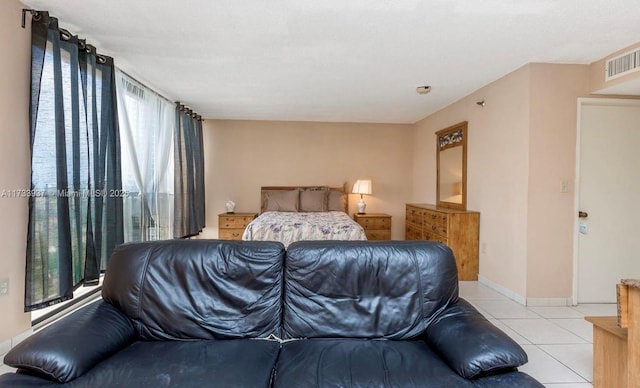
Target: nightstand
{"type": "Point", "coordinates": [231, 225]}
{"type": "Point", "coordinates": [377, 226]}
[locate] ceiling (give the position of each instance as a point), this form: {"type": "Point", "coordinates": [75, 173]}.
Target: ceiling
{"type": "Point", "coordinates": [339, 60]}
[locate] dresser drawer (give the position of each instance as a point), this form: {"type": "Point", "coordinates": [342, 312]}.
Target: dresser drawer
{"type": "Point", "coordinates": [412, 232]}
{"type": "Point", "coordinates": [414, 215]}
{"type": "Point", "coordinates": [234, 222]}
{"type": "Point", "coordinates": [435, 237]}
{"type": "Point", "coordinates": [377, 226]}
{"type": "Point", "coordinates": [230, 234]}
{"type": "Point", "coordinates": [375, 223]}
{"type": "Point", "coordinates": [378, 234]}
{"type": "Point", "coordinates": [435, 222]}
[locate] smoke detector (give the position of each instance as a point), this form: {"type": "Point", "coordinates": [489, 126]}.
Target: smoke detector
{"type": "Point", "coordinates": [423, 89]}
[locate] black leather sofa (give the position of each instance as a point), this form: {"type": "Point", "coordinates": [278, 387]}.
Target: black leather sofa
{"type": "Point", "coordinates": [206, 313]}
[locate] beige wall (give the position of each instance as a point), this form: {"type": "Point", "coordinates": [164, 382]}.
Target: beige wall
{"type": "Point", "coordinates": [241, 156]}
{"type": "Point", "coordinates": [521, 146]}
{"type": "Point", "coordinates": [497, 164]}
{"type": "Point", "coordinates": [14, 157]}
{"type": "Point", "coordinates": [552, 158]}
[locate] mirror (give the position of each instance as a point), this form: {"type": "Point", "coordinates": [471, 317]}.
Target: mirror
{"type": "Point", "coordinates": [451, 155]}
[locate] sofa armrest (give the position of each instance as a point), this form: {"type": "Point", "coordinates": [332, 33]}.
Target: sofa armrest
{"type": "Point", "coordinates": [470, 344]}
{"type": "Point", "coordinates": [70, 347]}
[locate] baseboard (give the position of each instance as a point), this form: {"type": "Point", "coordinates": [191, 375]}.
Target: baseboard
{"type": "Point", "coordinates": [532, 302]}
{"type": "Point", "coordinates": [549, 302]}
{"type": "Point", "coordinates": [502, 290]}
{"type": "Point", "coordinates": [7, 345]}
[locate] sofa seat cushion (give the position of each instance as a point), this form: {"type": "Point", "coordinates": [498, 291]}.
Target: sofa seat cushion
{"type": "Point", "coordinates": [375, 363]}
{"type": "Point", "coordinates": [205, 363]}
{"type": "Point", "coordinates": [227, 363]}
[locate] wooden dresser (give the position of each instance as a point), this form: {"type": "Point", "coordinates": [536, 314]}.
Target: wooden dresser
{"type": "Point", "coordinates": [231, 225]}
{"type": "Point", "coordinates": [458, 229]}
{"type": "Point", "coordinates": [377, 226]}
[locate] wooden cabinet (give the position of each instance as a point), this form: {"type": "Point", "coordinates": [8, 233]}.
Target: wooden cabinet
{"type": "Point", "coordinates": [616, 341]}
{"type": "Point", "coordinates": [458, 229]}
{"type": "Point", "coordinates": [609, 353]}
{"type": "Point", "coordinates": [377, 226]}
{"type": "Point", "coordinates": [231, 225]}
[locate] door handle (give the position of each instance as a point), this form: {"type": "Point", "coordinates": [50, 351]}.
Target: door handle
{"type": "Point", "coordinates": [582, 214]}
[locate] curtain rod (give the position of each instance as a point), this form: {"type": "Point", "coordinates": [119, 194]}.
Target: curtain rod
{"type": "Point", "coordinates": [180, 105]}
{"type": "Point", "coordinates": [146, 86]}
{"type": "Point", "coordinates": [188, 111]}
{"type": "Point", "coordinates": [64, 33]}
{"type": "Point", "coordinates": [36, 14]}
{"type": "Point", "coordinates": [33, 13]}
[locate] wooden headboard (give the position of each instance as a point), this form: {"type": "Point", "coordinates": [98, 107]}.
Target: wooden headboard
{"type": "Point", "coordinates": [265, 189]}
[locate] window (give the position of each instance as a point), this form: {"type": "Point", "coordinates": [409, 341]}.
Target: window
{"type": "Point", "coordinates": [74, 224]}
{"type": "Point", "coordinates": [103, 172]}
{"type": "Point", "coordinates": [147, 126]}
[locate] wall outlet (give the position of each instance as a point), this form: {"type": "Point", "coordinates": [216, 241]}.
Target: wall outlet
{"type": "Point", "coordinates": [4, 286]}
{"type": "Point", "coordinates": [483, 248]}
{"type": "Point", "coordinates": [564, 186]}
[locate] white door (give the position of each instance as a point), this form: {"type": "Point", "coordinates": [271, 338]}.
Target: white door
{"type": "Point", "coordinates": [608, 246]}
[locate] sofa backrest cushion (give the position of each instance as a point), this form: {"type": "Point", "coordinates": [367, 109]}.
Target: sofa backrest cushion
{"type": "Point", "coordinates": [363, 289]}
{"type": "Point", "coordinates": [197, 289]}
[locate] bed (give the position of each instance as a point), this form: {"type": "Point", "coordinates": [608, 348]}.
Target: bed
{"type": "Point", "coordinates": [295, 213]}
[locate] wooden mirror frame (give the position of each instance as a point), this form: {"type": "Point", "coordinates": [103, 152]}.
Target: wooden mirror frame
{"type": "Point", "coordinates": [453, 136]}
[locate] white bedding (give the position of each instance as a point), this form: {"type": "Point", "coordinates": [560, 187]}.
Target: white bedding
{"type": "Point", "coordinates": [288, 227]}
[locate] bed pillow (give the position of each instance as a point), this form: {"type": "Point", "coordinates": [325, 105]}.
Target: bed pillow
{"type": "Point", "coordinates": [313, 200]}
{"type": "Point", "coordinates": [337, 201]}
{"type": "Point", "coordinates": [282, 201]}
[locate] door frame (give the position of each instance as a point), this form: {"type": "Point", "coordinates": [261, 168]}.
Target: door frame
{"type": "Point", "coordinates": [586, 101]}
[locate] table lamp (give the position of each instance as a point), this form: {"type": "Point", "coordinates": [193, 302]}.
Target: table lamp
{"type": "Point", "coordinates": [362, 186]}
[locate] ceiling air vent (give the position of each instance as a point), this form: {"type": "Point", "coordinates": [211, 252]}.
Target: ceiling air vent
{"type": "Point", "coordinates": [623, 64]}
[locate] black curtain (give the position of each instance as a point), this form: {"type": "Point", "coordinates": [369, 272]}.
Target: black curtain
{"type": "Point", "coordinates": [75, 212]}
{"type": "Point", "coordinates": [189, 206]}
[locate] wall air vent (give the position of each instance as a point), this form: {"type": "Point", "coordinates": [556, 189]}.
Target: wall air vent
{"type": "Point", "coordinates": [624, 64]}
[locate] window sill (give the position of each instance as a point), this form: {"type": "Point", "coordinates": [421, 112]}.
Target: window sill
{"type": "Point", "coordinates": [81, 296]}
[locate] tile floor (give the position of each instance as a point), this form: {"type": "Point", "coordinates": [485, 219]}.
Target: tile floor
{"type": "Point", "coordinates": [557, 339]}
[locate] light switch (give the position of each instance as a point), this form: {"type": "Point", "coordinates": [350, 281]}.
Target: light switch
{"type": "Point", "coordinates": [564, 186]}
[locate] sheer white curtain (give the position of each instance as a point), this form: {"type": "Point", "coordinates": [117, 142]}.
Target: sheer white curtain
{"type": "Point", "coordinates": [147, 126]}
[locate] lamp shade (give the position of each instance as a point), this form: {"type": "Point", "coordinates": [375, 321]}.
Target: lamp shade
{"type": "Point", "coordinates": [362, 186]}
